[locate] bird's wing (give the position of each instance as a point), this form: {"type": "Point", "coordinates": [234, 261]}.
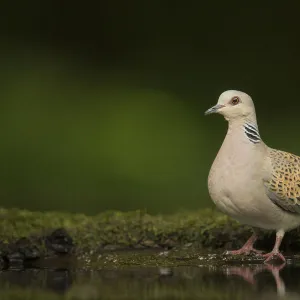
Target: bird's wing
{"type": "Point", "coordinates": [283, 186]}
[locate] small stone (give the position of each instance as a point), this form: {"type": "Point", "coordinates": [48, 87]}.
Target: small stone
{"type": "Point", "coordinates": [60, 241]}
{"type": "Point", "coordinates": [15, 259]}
{"type": "Point", "coordinates": [31, 252]}
{"type": "Point", "coordinates": [149, 244]}
{"type": "Point", "coordinates": [111, 247]}
{"type": "Point", "coordinates": [28, 249]}
{"type": "Point", "coordinates": [169, 243]}
{"type": "Point", "coordinates": [3, 263]}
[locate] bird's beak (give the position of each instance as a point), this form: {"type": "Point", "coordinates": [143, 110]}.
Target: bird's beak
{"type": "Point", "coordinates": [214, 109]}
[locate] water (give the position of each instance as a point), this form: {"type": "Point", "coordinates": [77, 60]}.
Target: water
{"type": "Point", "coordinates": [228, 281]}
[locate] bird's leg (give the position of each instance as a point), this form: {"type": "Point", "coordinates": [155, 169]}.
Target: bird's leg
{"type": "Point", "coordinates": [249, 275]}
{"type": "Point", "coordinates": [279, 282]}
{"type": "Point", "coordinates": [247, 248]}
{"type": "Point", "coordinates": [275, 252]}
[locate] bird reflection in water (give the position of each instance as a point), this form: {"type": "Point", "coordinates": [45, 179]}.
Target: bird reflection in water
{"type": "Point", "coordinates": [248, 273]}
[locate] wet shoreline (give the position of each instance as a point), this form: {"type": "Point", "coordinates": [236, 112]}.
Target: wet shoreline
{"type": "Point", "coordinates": [207, 276]}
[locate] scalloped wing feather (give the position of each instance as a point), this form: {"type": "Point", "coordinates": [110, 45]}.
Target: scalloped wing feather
{"type": "Point", "coordinates": [283, 188]}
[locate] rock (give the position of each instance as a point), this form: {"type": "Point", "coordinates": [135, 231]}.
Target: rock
{"type": "Point", "coordinates": [188, 245]}
{"type": "Point", "coordinates": [3, 263]}
{"type": "Point", "coordinates": [168, 243]}
{"type": "Point", "coordinates": [15, 259]}
{"type": "Point", "coordinates": [60, 242]}
{"type": "Point", "coordinates": [149, 244]}
{"type": "Point", "coordinates": [111, 247]}
{"type": "Point", "coordinates": [29, 250]}
{"type": "Point", "coordinates": [139, 246]}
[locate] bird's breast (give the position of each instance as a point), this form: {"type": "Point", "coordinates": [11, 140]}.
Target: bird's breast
{"type": "Point", "coordinates": [232, 179]}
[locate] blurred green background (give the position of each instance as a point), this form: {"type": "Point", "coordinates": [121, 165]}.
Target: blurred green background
{"type": "Point", "coordinates": [102, 104]}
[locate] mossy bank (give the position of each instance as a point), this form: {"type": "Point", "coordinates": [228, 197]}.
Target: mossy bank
{"type": "Point", "coordinates": [29, 236]}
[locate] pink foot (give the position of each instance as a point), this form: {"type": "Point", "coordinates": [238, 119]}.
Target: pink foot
{"type": "Point", "coordinates": [247, 248]}
{"type": "Point", "coordinates": [259, 252]}
{"type": "Point", "coordinates": [273, 255]}
{"type": "Point", "coordinates": [244, 250]}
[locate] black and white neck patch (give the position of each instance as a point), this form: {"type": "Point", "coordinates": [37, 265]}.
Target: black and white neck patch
{"type": "Point", "coordinates": [252, 133]}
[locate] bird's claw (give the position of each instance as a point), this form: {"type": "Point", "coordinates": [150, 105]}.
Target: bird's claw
{"type": "Point", "coordinates": [244, 251]}
{"type": "Point", "coordinates": [273, 255]}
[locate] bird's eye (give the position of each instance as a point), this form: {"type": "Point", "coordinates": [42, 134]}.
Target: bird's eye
{"type": "Point", "coordinates": [235, 100]}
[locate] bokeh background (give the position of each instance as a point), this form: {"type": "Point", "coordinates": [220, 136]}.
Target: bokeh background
{"type": "Point", "coordinates": [102, 104]}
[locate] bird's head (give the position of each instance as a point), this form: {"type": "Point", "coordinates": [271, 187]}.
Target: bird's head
{"type": "Point", "coordinates": [233, 105]}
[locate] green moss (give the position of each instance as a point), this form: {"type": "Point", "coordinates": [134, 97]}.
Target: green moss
{"type": "Point", "coordinates": [113, 230]}
{"type": "Point", "coordinates": [118, 229]}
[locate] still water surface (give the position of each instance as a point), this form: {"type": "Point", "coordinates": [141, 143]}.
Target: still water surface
{"type": "Point", "coordinates": [247, 281]}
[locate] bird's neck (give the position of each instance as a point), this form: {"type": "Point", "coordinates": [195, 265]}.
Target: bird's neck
{"type": "Point", "coordinates": [247, 127]}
